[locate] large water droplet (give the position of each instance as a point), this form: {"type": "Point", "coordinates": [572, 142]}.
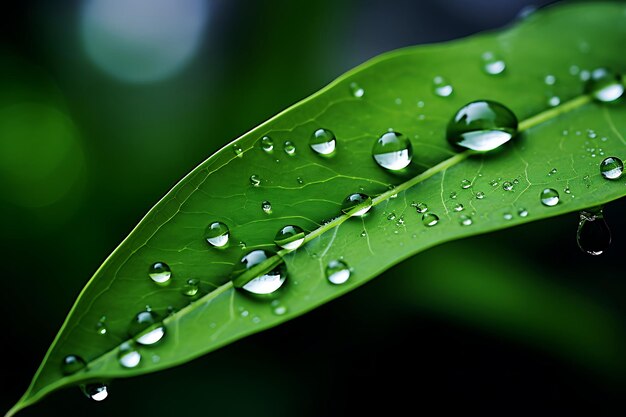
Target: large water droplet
{"type": "Point", "coordinates": [337, 272]}
{"type": "Point", "coordinates": [604, 85]}
{"type": "Point", "coordinates": [430, 219]}
{"type": "Point", "coordinates": [549, 197]}
{"type": "Point", "coordinates": [356, 204]}
{"type": "Point", "coordinates": [160, 273]}
{"type": "Point", "coordinates": [356, 90]}
{"type": "Point", "coordinates": [612, 168]}
{"type": "Point", "coordinates": [493, 65]}
{"type": "Point", "coordinates": [442, 87]}
{"type": "Point", "coordinates": [323, 141]}
{"type": "Point", "coordinates": [267, 144]}
{"type": "Point", "coordinates": [147, 328]}
{"type": "Point", "coordinates": [217, 234]}
{"type": "Point", "coordinates": [593, 235]}
{"type": "Point", "coordinates": [392, 151]}
{"type": "Point", "coordinates": [72, 364]}
{"type": "Point", "coordinates": [96, 392]}
{"type": "Point", "coordinates": [290, 237]}
{"type": "Point", "coordinates": [128, 356]}
{"type": "Point", "coordinates": [482, 126]}
{"type": "Point", "coordinates": [268, 282]}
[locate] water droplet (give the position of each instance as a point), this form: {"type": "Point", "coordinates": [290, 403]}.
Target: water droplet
{"type": "Point", "coordinates": [493, 183]}
{"type": "Point", "coordinates": [72, 364]}
{"type": "Point", "coordinates": [323, 141]}
{"type": "Point", "coordinates": [507, 186]}
{"type": "Point", "coordinates": [392, 151]}
{"type": "Point", "coordinates": [442, 87]}
{"type": "Point", "coordinates": [237, 150]}
{"type": "Point", "coordinates": [593, 235]}
{"type": "Point", "coordinates": [453, 195]}
{"type": "Point", "coordinates": [160, 273]}
{"type": "Point", "coordinates": [507, 216]}
{"type": "Point", "coordinates": [420, 207]}
{"type": "Point", "coordinates": [356, 204]}
{"type": "Point", "coordinates": [604, 85]}
{"type": "Point", "coordinates": [356, 90]}
{"type": "Point", "coordinates": [191, 288]}
{"type": "Point", "coordinates": [493, 65]}
{"type": "Point", "coordinates": [337, 272]}
{"type": "Point", "coordinates": [552, 172]}
{"type": "Point", "coordinates": [147, 328]}
{"type": "Point", "coordinates": [267, 144]}
{"type": "Point", "coordinates": [290, 237]}
{"type": "Point", "coordinates": [480, 195]}
{"type": "Point", "coordinates": [268, 282]}
{"type": "Point", "coordinates": [128, 355]}
{"type": "Point", "coordinates": [430, 219]}
{"type": "Point", "coordinates": [289, 148]}
{"type": "Point", "coordinates": [278, 309]}
{"type": "Point", "coordinates": [566, 190]}
{"type": "Point", "coordinates": [465, 184]}
{"type": "Point", "coordinates": [420, 104]}
{"type": "Point", "coordinates": [554, 101]}
{"type": "Point", "coordinates": [459, 207]}
{"type": "Point", "coordinates": [392, 216]}
{"type": "Point", "coordinates": [522, 212]}
{"type": "Point", "coordinates": [217, 234]}
{"type": "Point", "coordinates": [587, 181]}
{"type": "Point", "coordinates": [612, 168]}
{"type": "Point", "coordinates": [585, 75]}
{"type": "Point", "coordinates": [549, 197]}
{"type": "Point", "coordinates": [96, 392]}
{"type": "Point", "coordinates": [550, 79]}
{"type": "Point", "coordinates": [255, 180]}
{"type": "Point", "coordinates": [465, 220]}
{"type": "Point", "coordinates": [101, 327]}
{"type": "Point", "coordinates": [481, 126]}
{"type": "Point", "coordinates": [574, 69]}
{"type": "Point", "coordinates": [300, 180]}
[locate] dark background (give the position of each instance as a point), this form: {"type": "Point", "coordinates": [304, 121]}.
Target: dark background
{"type": "Point", "coordinates": [522, 323]}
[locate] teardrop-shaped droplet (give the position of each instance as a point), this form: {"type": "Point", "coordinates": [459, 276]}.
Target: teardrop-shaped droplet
{"type": "Point", "coordinates": [160, 272]}
{"type": "Point", "coordinates": [191, 288]}
{"type": "Point", "coordinates": [593, 235]}
{"type": "Point", "coordinates": [217, 234]}
{"type": "Point", "coordinates": [604, 85]}
{"type": "Point", "coordinates": [147, 328]}
{"type": "Point", "coordinates": [96, 392]}
{"type": "Point", "coordinates": [72, 364]}
{"type": "Point", "coordinates": [392, 151]}
{"type": "Point", "coordinates": [442, 87]}
{"type": "Point", "coordinates": [266, 206]}
{"type": "Point", "coordinates": [356, 90]}
{"type": "Point", "coordinates": [268, 282]}
{"type": "Point", "coordinates": [549, 197]}
{"type": "Point", "coordinates": [289, 148]}
{"type": "Point", "coordinates": [128, 355]}
{"type": "Point", "coordinates": [612, 168]}
{"type": "Point", "coordinates": [337, 272]}
{"type": "Point", "coordinates": [482, 126]}
{"type": "Point", "coordinates": [357, 204]}
{"type": "Point", "coordinates": [323, 141]}
{"type": "Point", "coordinates": [430, 219]}
{"type": "Point", "coordinates": [492, 64]}
{"type": "Point", "coordinates": [290, 237]}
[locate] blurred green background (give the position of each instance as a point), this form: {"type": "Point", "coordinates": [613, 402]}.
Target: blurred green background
{"type": "Point", "coordinates": [105, 104]}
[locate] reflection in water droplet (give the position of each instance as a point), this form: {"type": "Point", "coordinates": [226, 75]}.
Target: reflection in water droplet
{"type": "Point", "coordinates": [323, 142]}
{"type": "Point", "coordinates": [442, 87]}
{"type": "Point", "coordinates": [128, 356]}
{"type": "Point", "coordinates": [357, 204]}
{"type": "Point", "coordinates": [465, 220]}
{"type": "Point", "coordinates": [72, 364]}
{"type": "Point", "coordinates": [96, 392]}
{"type": "Point", "coordinates": [268, 282]}
{"type": "Point", "coordinates": [493, 65]}
{"type": "Point", "coordinates": [549, 197]}
{"type": "Point", "coordinates": [337, 272]}
{"type": "Point", "coordinates": [392, 151]}
{"type": "Point", "coordinates": [217, 234]}
{"type": "Point", "coordinates": [191, 288]}
{"type": "Point", "coordinates": [255, 180]}
{"type": "Point", "coordinates": [612, 168]}
{"type": "Point", "coordinates": [237, 150]}
{"type": "Point", "coordinates": [604, 85]}
{"type": "Point", "coordinates": [290, 237]}
{"type": "Point", "coordinates": [482, 126]}
{"type": "Point", "coordinates": [160, 273]}
{"type": "Point", "coordinates": [267, 144]}
{"type": "Point", "coordinates": [356, 90]}
{"type": "Point", "coordinates": [593, 235]}
{"type": "Point", "coordinates": [147, 328]}
{"type": "Point", "coordinates": [289, 148]}
{"type": "Point", "coordinates": [430, 219]}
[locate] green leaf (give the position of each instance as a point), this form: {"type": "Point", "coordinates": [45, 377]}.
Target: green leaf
{"type": "Point", "coordinates": [307, 190]}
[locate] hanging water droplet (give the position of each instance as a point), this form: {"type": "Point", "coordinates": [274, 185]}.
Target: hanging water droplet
{"type": "Point", "coordinates": [255, 180]}
{"type": "Point", "coordinates": [356, 90]}
{"type": "Point", "coordinates": [612, 168]}
{"type": "Point", "coordinates": [357, 204]}
{"type": "Point", "coordinates": [430, 219]}
{"type": "Point", "coordinates": [507, 186]}
{"type": "Point", "coordinates": [522, 212]}
{"type": "Point", "coordinates": [147, 328]}
{"type": "Point", "coordinates": [465, 220]}
{"type": "Point", "coordinates": [96, 392]}
{"type": "Point", "coordinates": [549, 197]}
{"type": "Point", "coordinates": [237, 150]}
{"type": "Point", "coordinates": [481, 126]}
{"type": "Point", "coordinates": [160, 273]}
{"type": "Point", "coordinates": [465, 184]}
{"type": "Point", "coordinates": [507, 216]}
{"type": "Point", "coordinates": [289, 148]}
{"type": "Point", "coordinates": [290, 237]}
{"type": "Point", "coordinates": [278, 309]}
{"type": "Point", "coordinates": [442, 87]}
{"type": "Point", "coordinates": [604, 85]}
{"type": "Point", "coordinates": [191, 288]}
{"type": "Point", "coordinates": [550, 79]}
{"type": "Point", "coordinates": [459, 207]}
{"type": "Point", "coordinates": [392, 151]}
{"type": "Point", "coordinates": [72, 364]}
{"type": "Point", "coordinates": [217, 234]}
{"type": "Point", "coordinates": [337, 272]}
{"type": "Point", "coordinates": [593, 235]}
{"type": "Point", "coordinates": [128, 355]}
{"type": "Point", "coordinates": [554, 101]}
{"type": "Point", "coordinates": [493, 65]}
{"type": "Point", "coordinates": [268, 282]}
{"type": "Point", "coordinates": [323, 141]}
{"type": "Point", "coordinates": [480, 195]}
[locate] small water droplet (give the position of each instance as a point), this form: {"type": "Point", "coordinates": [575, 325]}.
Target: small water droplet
{"type": "Point", "coordinates": [507, 216]}
{"type": "Point", "coordinates": [278, 309]}
{"type": "Point", "coordinates": [300, 180]}
{"type": "Point", "coordinates": [465, 184]}
{"type": "Point", "coordinates": [420, 207]}
{"type": "Point", "coordinates": [392, 216]}
{"type": "Point", "coordinates": [574, 69]}
{"type": "Point", "coordinates": [566, 190]}
{"type": "Point", "coordinates": [550, 79]}
{"type": "Point", "coordinates": [392, 151]}
{"type": "Point", "coordinates": [72, 364]}
{"type": "Point", "coordinates": [481, 125]}
{"type": "Point", "coordinates": [160, 273]}
{"type": "Point", "coordinates": [585, 75]}
{"type": "Point", "coordinates": [465, 220]}
{"type": "Point", "coordinates": [128, 355]}
{"type": "Point", "coordinates": [552, 172]}
{"type": "Point", "coordinates": [507, 186]}
{"type": "Point", "coordinates": [492, 64]}
{"type": "Point", "coordinates": [356, 90]}
{"type": "Point", "coordinates": [549, 197]}
{"type": "Point", "coordinates": [453, 195]}
{"type": "Point", "coordinates": [217, 234]}
{"type": "Point", "coordinates": [587, 181]}
{"type": "Point", "coordinates": [430, 219]}
{"type": "Point", "coordinates": [554, 101]}
{"type": "Point", "coordinates": [255, 180]}
{"type": "Point", "coordinates": [147, 328]}
{"type": "Point", "coordinates": [442, 87]}
{"type": "Point", "coordinates": [237, 150]}
{"type": "Point", "coordinates": [191, 288]}
{"type": "Point", "coordinates": [267, 144]}
{"type": "Point", "coordinates": [363, 233]}
{"type": "Point", "coordinates": [266, 206]}
{"type": "Point", "coordinates": [289, 148]}
{"type": "Point", "coordinates": [96, 392]}
{"type": "Point", "coordinates": [522, 212]}
{"type": "Point", "coordinates": [604, 85]}
{"type": "Point", "coordinates": [323, 142]}
{"type": "Point", "coordinates": [480, 195]}
{"type": "Point", "coordinates": [400, 221]}
{"type": "Point", "coordinates": [459, 207]}
{"type": "Point", "coordinates": [612, 168]}
{"type": "Point", "coordinates": [290, 237]}
{"type": "Point", "coordinates": [268, 282]}
{"type": "Point", "coordinates": [356, 204]}
{"type": "Point", "coordinates": [101, 328]}
{"type": "Point", "coordinates": [593, 235]}
{"type": "Point", "coordinates": [493, 183]}
{"type": "Point", "coordinates": [337, 272]}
